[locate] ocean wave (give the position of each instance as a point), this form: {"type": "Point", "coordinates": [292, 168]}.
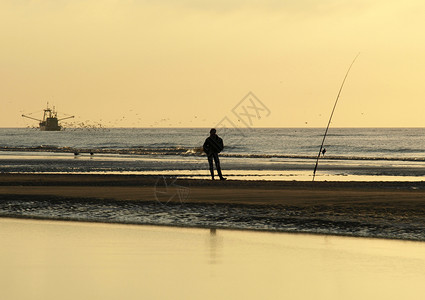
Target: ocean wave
{"type": "Point", "coordinates": [177, 150]}
{"type": "Point", "coordinates": [198, 151]}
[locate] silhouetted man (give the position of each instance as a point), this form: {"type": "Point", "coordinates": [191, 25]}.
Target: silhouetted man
{"type": "Point", "coordinates": [213, 146]}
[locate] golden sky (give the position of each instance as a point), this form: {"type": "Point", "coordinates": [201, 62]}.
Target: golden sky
{"type": "Point", "coordinates": [188, 63]}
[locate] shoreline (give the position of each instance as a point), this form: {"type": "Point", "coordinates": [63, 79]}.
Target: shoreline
{"type": "Point", "coordinates": [211, 228]}
{"type": "Point", "coordinates": [392, 210]}
{"type": "Point", "coordinates": [89, 179]}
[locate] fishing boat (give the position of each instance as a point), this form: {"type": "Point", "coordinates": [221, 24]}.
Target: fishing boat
{"type": "Point", "coordinates": [50, 121]}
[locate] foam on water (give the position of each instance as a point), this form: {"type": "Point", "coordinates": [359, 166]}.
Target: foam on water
{"type": "Point", "coordinates": [350, 152]}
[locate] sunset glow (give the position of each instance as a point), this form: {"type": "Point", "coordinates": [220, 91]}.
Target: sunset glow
{"type": "Point", "coordinates": [188, 63]}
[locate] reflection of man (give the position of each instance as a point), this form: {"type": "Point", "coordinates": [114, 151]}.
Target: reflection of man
{"type": "Point", "coordinates": [213, 146]}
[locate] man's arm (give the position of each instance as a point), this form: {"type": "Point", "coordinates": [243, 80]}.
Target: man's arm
{"type": "Point", "coordinates": [221, 144]}
{"type": "Point", "coordinates": [206, 146]}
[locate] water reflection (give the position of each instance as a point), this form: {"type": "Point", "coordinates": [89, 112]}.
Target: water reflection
{"type": "Point", "coordinates": [215, 243]}
{"type": "Point", "coordinates": [58, 260]}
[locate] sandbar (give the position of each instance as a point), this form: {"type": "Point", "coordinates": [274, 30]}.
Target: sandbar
{"type": "Point", "coordinates": [396, 206]}
{"type": "Point", "coordinates": [148, 188]}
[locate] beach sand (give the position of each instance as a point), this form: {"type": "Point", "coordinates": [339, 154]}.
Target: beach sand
{"type": "Point", "coordinates": [146, 188]}
{"type": "Point", "coordinates": [374, 203]}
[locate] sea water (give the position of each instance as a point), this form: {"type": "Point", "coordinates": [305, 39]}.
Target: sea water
{"type": "Point", "coordinates": [249, 153]}
{"type": "Point", "coordinates": [67, 260]}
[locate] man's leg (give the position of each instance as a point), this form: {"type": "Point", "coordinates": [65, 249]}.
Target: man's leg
{"type": "Point", "coordinates": [217, 165]}
{"type": "Point", "coordinates": [210, 161]}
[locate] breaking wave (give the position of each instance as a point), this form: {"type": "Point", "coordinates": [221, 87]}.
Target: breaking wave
{"type": "Point", "coordinates": [231, 151]}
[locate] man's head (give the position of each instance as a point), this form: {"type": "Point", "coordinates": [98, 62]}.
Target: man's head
{"type": "Point", "coordinates": [213, 131]}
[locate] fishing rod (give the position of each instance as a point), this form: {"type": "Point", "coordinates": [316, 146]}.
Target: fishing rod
{"type": "Point", "coordinates": [332, 113]}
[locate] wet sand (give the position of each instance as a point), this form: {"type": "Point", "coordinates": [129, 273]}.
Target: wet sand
{"type": "Point", "coordinates": [72, 260]}
{"type": "Point", "coordinates": [378, 205]}
{"type": "Point", "coordinates": [150, 188]}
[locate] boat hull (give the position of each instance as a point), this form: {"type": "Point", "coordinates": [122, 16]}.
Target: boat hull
{"type": "Point", "coordinates": [51, 124]}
